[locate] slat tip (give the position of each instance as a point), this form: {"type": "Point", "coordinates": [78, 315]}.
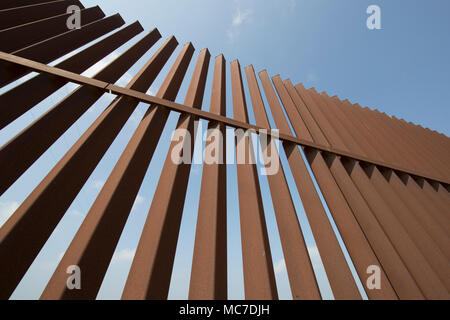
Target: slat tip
{"type": "Point", "coordinates": [155, 30]}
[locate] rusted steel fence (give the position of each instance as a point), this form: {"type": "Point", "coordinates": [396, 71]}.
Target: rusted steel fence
{"type": "Point", "coordinates": [385, 181]}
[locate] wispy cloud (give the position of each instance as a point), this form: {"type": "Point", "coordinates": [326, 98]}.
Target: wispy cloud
{"type": "Point", "coordinates": [75, 212]}
{"type": "Point", "coordinates": [240, 16]}
{"type": "Point", "coordinates": [98, 184]}
{"type": "Point", "coordinates": [237, 20]}
{"type": "Point", "coordinates": [280, 267]}
{"type": "Point", "coordinates": [7, 208]}
{"type": "Point", "coordinates": [314, 252]}
{"type": "Point", "coordinates": [139, 199]}
{"type": "Point", "coordinates": [123, 255]}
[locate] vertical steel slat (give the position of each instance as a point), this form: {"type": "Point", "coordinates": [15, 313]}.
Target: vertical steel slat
{"type": "Point", "coordinates": [347, 126]}
{"type": "Point", "coordinates": [400, 143]}
{"type": "Point", "coordinates": [16, 16]}
{"type": "Point", "coordinates": [406, 221]}
{"type": "Point", "coordinates": [384, 139]}
{"type": "Point", "coordinates": [335, 122]}
{"type": "Point", "coordinates": [95, 241]}
{"type": "Point", "coordinates": [34, 140]}
{"type": "Point", "coordinates": [327, 129]}
{"type": "Point", "coordinates": [321, 171]}
{"type": "Point", "coordinates": [390, 140]}
{"type": "Point", "coordinates": [427, 143]}
{"type": "Point", "coordinates": [336, 267]}
{"type": "Point", "coordinates": [433, 210]}
{"type": "Point", "coordinates": [149, 276]}
{"type": "Point", "coordinates": [314, 129]}
{"type": "Point", "coordinates": [25, 96]}
{"type": "Point", "coordinates": [5, 4]}
{"type": "Point", "coordinates": [209, 262]}
{"type": "Point", "coordinates": [399, 276]}
{"type": "Point", "coordinates": [294, 116]}
{"type": "Point", "coordinates": [388, 154]}
{"type": "Point", "coordinates": [416, 232]}
{"type": "Point", "coordinates": [353, 124]}
{"type": "Point", "coordinates": [420, 269]}
{"type": "Point", "coordinates": [362, 252]}
{"type": "Point", "coordinates": [434, 230]}
{"type": "Point", "coordinates": [429, 163]}
{"type": "Point", "coordinates": [53, 48]}
{"type": "Point", "coordinates": [443, 193]}
{"type": "Point", "coordinates": [37, 31]}
{"type": "Point", "coordinates": [359, 248]}
{"type": "Point", "coordinates": [392, 133]}
{"type": "Point", "coordinates": [298, 264]}
{"type": "Point", "coordinates": [53, 196]}
{"type": "Point", "coordinates": [432, 195]}
{"type": "Point", "coordinates": [259, 278]}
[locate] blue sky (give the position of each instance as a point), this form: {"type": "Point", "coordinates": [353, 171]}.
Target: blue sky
{"type": "Point", "coordinates": [402, 70]}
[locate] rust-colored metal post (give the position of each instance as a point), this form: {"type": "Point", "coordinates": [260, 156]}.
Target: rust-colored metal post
{"type": "Point", "coordinates": [209, 263]}
{"type": "Point", "coordinates": [93, 246]}
{"type": "Point", "coordinates": [338, 272]}
{"type": "Point", "coordinates": [149, 276]}
{"type": "Point", "coordinates": [259, 278]}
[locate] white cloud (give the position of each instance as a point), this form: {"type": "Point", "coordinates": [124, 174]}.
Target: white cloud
{"type": "Point", "coordinates": [240, 16]}
{"type": "Point", "coordinates": [7, 208]}
{"type": "Point", "coordinates": [314, 253]}
{"type": "Point", "coordinates": [75, 212]}
{"type": "Point", "coordinates": [98, 184]}
{"type": "Point", "coordinates": [123, 255]}
{"type": "Point", "coordinates": [280, 267]}
{"type": "Point", "coordinates": [139, 199]}
{"type": "Point", "coordinates": [60, 255]}
{"type": "Point", "coordinates": [237, 20]}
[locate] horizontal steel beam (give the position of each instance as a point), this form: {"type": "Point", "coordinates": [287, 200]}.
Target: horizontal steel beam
{"type": "Point", "coordinates": [145, 98]}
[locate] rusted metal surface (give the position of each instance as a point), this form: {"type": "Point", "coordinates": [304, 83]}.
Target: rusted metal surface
{"type": "Point", "coordinates": [34, 32]}
{"type": "Point", "coordinates": [93, 246]}
{"type": "Point", "coordinates": [359, 248]}
{"type": "Point", "coordinates": [32, 142]}
{"type": "Point", "coordinates": [399, 276]}
{"type": "Point", "coordinates": [18, 16]}
{"type": "Point", "coordinates": [209, 263]}
{"type": "Point", "coordinates": [300, 272]}
{"type": "Point", "coordinates": [58, 189]}
{"type": "Point", "coordinates": [259, 278]}
{"type": "Point", "coordinates": [142, 97]}
{"type": "Point", "coordinates": [336, 267]}
{"type": "Point", "coordinates": [150, 273]}
{"type": "Point", "coordinates": [385, 181]}
{"type": "Point", "coordinates": [53, 48]}
{"type": "Point", "coordinates": [23, 97]}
